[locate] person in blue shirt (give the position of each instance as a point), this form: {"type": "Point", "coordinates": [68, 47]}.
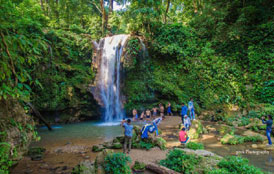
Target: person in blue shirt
{"type": "Point", "coordinates": [191, 109]}
{"type": "Point", "coordinates": [268, 123]}
{"type": "Point", "coordinates": [183, 112]}
{"type": "Point", "coordinates": [128, 134]}
{"type": "Point", "coordinates": [169, 109]}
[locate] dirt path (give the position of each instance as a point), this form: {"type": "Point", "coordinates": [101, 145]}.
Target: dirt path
{"type": "Point", "coordinates": [147, 156]}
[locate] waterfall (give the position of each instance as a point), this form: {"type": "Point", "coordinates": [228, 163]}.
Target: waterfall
{"type": "Point", "coordinates": [109, 76]}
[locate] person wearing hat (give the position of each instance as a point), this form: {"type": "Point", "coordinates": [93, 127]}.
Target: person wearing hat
{"type": "Point", "coordinates": [187, 122]}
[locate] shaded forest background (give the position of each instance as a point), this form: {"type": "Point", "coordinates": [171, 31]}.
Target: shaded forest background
{"type": "Point", "coordinates": [214, 51]}
{"type": "Point", "coordinates": [221, 53]}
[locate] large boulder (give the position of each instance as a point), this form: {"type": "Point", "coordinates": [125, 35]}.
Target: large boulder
{"type": "Point", "coordinates": [196, 129]}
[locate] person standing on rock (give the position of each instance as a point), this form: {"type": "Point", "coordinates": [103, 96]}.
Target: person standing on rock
{"type": "Point", "coordinates": [169, 109]}
{"type": "Point", "coordinates": [187, 122]}
{"type": "Point", "coordinates": [154, 112]}
{"type": "Point", "coordinates": [128, 134]}
{"type": "Point", "coordinates": [135, 114]}
{"type": "Point", "coordinates": [162, 110]}
{"type": "Point", "coordinates": [268, 123]}
{"type": "Point", "coordinates": [191, 109]}
{"type": "Point", "coordinates": [183, 112]}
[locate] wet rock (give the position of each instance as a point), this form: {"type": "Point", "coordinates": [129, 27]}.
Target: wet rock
{"type": "Point", "coordinates": [101, 157]}
{"type": "Point", "coordinates": [85, 167]}
{"type": "Point", "coordinates": [97, 148]}
{"type": "Point", "coordinates": [107, 145]}
{"type": "Point", "coordinates": [203, 153]}
{"type": "Point", "coordinates": [117, 146]}
{"type": "Point", "coordinates": [86, 157]}
{"type": "Point", "coordinates": [254, 146]}
{"type": "Point", "coordinates": [64, 167]}
{"type": "Point", "coordinates": [100, 170]}
{"type": "Point", "coordinates": [211, 128]}
{"type": "Point", "coordinates": [120, 139]}
{"type": "Point", "coordinates": [28, 171]}
{"type": "Point", "coordinates": [70, 149]}
{"type": "Point", "coordinates": [36, 153]}
{"type": "Point", "coordinates": [44, 166]}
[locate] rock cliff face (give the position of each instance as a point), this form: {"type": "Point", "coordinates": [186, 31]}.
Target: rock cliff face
{"type": "Point", "coordinates": [17, 128]}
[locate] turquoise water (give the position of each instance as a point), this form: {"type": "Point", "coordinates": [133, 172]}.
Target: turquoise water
{"type": "Point", "coordinates": [78, 133]}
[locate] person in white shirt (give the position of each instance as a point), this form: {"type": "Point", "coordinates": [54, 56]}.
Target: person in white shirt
{"type": "Point", "coordinates": [191, 109]}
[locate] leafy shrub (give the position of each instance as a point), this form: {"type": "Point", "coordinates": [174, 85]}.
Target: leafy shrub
{"type": "Point", "coordinates": [179, 161]}
{"type": "Point", "coordinates": [194, 146]}
{"type": "Point", "coordinates": [5, 158]}
{"type": "Point", "coordinates": [256, 138]}
{"type": "Point", "coordinates": [244, 121]}
{"type": "Point", "coordinates": [219, 171]}
{"type": "Point", "coordinates": [117, 163]}
{"type": "Point", "coordinates": [237, 139]}
{"type": "Point", "coordinates": [235, 164]}
{"type": "Point", "coordinates": [267, 92]}
{"type": "Point", "coordinates": [145, 145]}
{"type": "Point", "coordinates": [139, 166]}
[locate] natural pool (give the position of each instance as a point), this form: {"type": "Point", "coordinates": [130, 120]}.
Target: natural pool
{"type": "Point", "coordinates": [90, 133]}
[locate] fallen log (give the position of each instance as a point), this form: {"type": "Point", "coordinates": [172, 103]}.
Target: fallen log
{"type": "Point", "coordinates": [160, 169]}
{"type": "Point", "coordinates": [39, 116]}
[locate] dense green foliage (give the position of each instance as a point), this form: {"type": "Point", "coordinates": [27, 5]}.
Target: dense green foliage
{"type": "Point", "coordinates": [218, 52]}
{"type": "Point", "coordinates": [5, 157]}
{"type": "Point", "coordinates": [194, 146]}
{"type": "Point", "coordinates": [116, 163]}
{"type": "Point", "coordinates": [235, 165]}
{"type": "Point", "coordinates": [179, 161]}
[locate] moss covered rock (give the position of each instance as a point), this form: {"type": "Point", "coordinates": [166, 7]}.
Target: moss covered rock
{"type": "Point", "coordinates": [224, 129]}
{"type": "Point", "coordinates": [117, 146]}
{"type": "Point", "coordinates": [97, 148]}
{"type": "Point", "coordinates": [196, 129]}
{"type": "Point", "coordinates": [160, 142]}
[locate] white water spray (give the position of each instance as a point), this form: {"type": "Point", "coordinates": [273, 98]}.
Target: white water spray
{"type": "Point", "coordinates": [109, 73]}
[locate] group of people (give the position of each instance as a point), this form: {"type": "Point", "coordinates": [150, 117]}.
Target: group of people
{"type": "Point", "coordinates": [149, 114]}
{"type": "Point", "coordinates": [187, 114]}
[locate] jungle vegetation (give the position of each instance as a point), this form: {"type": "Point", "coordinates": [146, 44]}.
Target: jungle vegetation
{"type": "Point", "coordinates": [218, 52]}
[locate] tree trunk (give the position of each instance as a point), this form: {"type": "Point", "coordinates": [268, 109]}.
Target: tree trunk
{"type": "Point", "coordinates": [160, 169]}
{"type": "Point", "coordinates": [104, 17]}
{"type": "Point", "coordinates": [167, 8]}
{"type": "Point", "coordinates": [110, 6]}
{"type": "Point", "coordinates": [42, 5]}
{"type": "Point", "coordinates": [39, 116]}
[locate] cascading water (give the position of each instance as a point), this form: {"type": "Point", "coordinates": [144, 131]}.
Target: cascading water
{"type": "Point", "coordinates": [109, 76]}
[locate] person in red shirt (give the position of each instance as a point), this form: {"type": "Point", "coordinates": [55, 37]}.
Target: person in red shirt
{"type": "Point", "coordinates": [183, 138]}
